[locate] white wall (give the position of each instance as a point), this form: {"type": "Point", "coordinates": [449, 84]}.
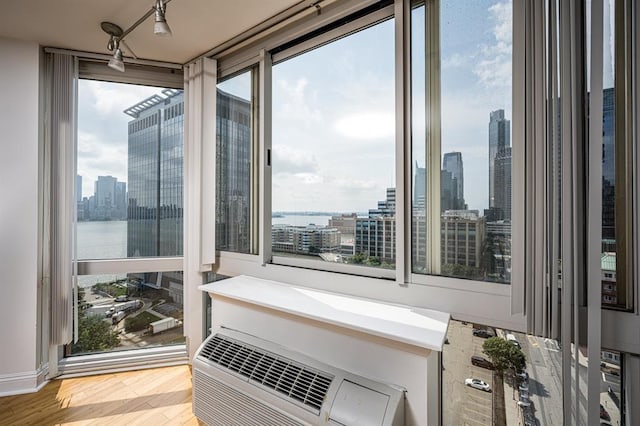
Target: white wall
{"type": "Point", "coordinates": [19, 123]}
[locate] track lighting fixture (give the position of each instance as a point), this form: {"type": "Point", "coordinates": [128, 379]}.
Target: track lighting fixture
{"type": "Point", "coordinates": [117, 35]}
{"type": "Point", "coordinates": [116, 61]}
{"type": "Point", "coordinates": [161, 27]}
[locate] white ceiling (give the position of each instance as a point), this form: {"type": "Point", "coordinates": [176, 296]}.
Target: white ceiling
{"type": "Point", "coordinates": [197, 25]}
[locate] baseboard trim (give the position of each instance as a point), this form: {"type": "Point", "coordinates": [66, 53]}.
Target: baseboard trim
{"type": "Point", "coordinates": [25, 382]}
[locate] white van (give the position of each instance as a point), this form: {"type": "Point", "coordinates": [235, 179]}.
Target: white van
{"type": "Point", "coordinates": [512, 339]}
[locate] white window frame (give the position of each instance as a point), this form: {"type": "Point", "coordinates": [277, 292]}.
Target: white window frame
{"type": "Point", "coordinates": [94, 67]}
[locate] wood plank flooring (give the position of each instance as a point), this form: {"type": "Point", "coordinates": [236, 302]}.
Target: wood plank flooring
{"type": "Point", "coordinates": [160, 396]}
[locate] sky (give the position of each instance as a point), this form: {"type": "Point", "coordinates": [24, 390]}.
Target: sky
{"type": "Point", "coordinates": [102, 129]}
{"type": "Point", "coordinates": [333, 111]}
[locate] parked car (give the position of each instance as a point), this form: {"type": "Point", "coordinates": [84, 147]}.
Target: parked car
{"type": "Point", "coordinates": [522, 375]}
{"type": "Point", "coordinates": [480, 332]}
{"type": "Point", "coordinates": [481, 362]}
{"type": "Point", "coordinates": [604, 414]}
{"type": "Point", "coordinates": [605, 368]}
{"type": "Point", "coordinates": [478, 384]}
{"type": "Point", "coordinates": [512, 339]}
{"type": "Point", "coordinates": [524, 404]}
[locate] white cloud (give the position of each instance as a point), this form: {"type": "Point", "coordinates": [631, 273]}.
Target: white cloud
{"type": "Point", "coordinates": [454, 61]}
{"type": "Point", "coordinates": [115, 98]}
{"type": "Point", "coordinates": [97, 158]}
{"type": "Point", "coordinates": [297, 103]}
{"type": "Point", "coordinates": [494, 66]}
{"type": "Point", "coordinates": [366, 125]}
{"type": "Point", "coordinates": [289, 160]}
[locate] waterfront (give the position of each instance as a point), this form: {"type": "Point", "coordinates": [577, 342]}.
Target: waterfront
{"type": "Point", "coordinates": [101, 240]}
{"type": "Point", "coordinates": [300, 219]}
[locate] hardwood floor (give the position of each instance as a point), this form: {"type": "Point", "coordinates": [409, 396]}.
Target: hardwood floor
{"type": "Point", "coordinates": [160, 396]}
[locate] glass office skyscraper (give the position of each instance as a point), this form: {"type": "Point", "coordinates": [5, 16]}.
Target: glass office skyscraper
{"type": "Point", "coordinates": [233, 173]}
{"type": "Point", "coordinates": [155, 209]}
{"type": "Point", "coordinates": [155, 201]}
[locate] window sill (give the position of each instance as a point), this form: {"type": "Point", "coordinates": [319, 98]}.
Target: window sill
{"type": "Point", "coordinates": [134, 359]}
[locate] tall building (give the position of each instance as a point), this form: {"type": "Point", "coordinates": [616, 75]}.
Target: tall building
{"type": "Point", "coordinates": [309, 239]}
{"type": "Point", "coordinates": [155, 176]}
{"type": "Point", "coordinates": [608, 166]}
{"type": "Point", "coordinates": [108, 201]}
{"type": "Point", "coordinates": [462, 237]}
{"type": "Point", "coordinates": [78, 188]}
{"type": "Point", "coordinates": [502, 180]}
{"type": "Point", "coordinates": [121, 198]}
{"type": "Point", "coordinates": [233, 173]}
{"type": "Point", "coordinates": [452, 182]}
{"type": "Point", "coordinates": [344, 223]}
{"type": "Point", "coordinates": [499, 139]}
{"type": "Point", "coordinates": [105, 192]}
{"type": "Point", "coordinates": [376, 234]}
{"type": "Point", "coordinates": [419, 186]}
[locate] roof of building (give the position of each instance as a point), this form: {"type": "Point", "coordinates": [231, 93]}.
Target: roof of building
{"type": "Point", "coordinates": [135, 110]}
{"type": "Point", "coordinates": [608, 261]}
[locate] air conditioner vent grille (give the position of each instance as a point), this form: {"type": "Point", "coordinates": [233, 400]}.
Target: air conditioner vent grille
{"type": "Point", "coordinates": [297, 381]}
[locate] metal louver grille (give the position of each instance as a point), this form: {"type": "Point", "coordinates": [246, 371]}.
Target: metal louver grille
{"type": "Point", "coordinates": [297, 381]}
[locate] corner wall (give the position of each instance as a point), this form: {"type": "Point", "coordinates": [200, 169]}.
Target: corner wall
{"type": "Point", "coordinates": [19, 253]}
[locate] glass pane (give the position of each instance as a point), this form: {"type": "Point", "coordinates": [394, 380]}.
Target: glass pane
{"type": "Point", "coordinates": [333, 191]}
{"type": "Point", "coordinates": [130, 171]}
{"type": "Point", "coordinates": [474, 131]}
{"type": "Point", "coordinates": [616, 148]}
{"type": "Point", "coordinates": [527, 392]}
{"type": "Point", "coordinates": [129, 311]}
{"type": "Point", "coordinates": [233, 172]}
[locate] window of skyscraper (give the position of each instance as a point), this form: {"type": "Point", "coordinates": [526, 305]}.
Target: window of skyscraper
{"type": "Point", "coordinates": [333, 161]}
{"type": "Point", "coordinates": [461, 99]}
{"type": "Point", "coordinates": [234, 171]}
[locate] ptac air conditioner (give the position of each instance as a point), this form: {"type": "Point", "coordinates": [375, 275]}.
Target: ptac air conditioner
{"type": "Point", "coordinates": [243, 380]}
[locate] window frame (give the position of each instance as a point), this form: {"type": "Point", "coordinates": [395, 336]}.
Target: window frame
{"type": "Point", "coordinates": [166, 76]}
{"type": "Point", "coordinates": [437, 292]}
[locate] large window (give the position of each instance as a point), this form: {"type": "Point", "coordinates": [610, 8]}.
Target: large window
{"type": "Point", "coordinates": [129, 205]}
{"type": "Point", "coordinates": [130, 176]}
{"type": "Point", "coordinates": [461, 91]}
{"type": "Point", "coordinates": [333, 182]}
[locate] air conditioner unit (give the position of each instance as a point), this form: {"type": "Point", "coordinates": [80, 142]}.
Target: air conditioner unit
{"type": "Point", "coordinates": [240, 379]}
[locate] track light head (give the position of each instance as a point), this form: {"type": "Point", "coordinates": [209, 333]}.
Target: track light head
{"type": "Point", "coordinates": [161, 27]}
{"type": "Point", "coordinates": [116, 62]}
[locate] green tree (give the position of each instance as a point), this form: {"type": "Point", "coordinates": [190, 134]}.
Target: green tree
{"type": "Point", "coordinates": [504, 355]}
{"type": "Point", "coordinates": [94, 334]}
{"type": "Point", "coordinates": [488, 259]}
{"type": "Point", "coordinates": [373, 261]}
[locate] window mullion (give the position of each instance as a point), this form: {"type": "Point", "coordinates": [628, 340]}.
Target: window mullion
{"type": "Point", "coordinates": [433, 135]}
{"type": "Point", "coordinates": [403, 139]}
{"type": "Point", "coordinates": [264, 137]}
